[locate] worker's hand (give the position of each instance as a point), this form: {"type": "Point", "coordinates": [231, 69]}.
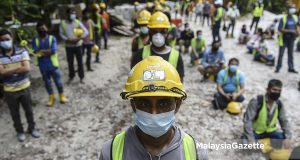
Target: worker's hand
{"type": "Point", "coordinates": [228, 96]}
{"type": "Point", "coordinates": [234, 96]}
{"type": "Point", "coordinates": [286, 144]}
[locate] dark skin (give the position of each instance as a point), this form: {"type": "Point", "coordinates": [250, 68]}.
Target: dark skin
{"type": "Point", "coordinates": [44, 52]}
{"type": "Point", "coordinates": [155, 105]}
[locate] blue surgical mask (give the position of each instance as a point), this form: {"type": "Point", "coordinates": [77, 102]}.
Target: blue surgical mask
{"type": "Point", "coordinates": [144, 30]}
{"type": "Point", "coordinates": [199, 37]}
{"type": "Point", "coordinates": [6, 44]}
{"type": "Point", "coordinates": [154, 125]}
{"type": "Point", "coordinates": [233, 68]}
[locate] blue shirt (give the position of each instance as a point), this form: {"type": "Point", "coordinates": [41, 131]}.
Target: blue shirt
{"type": "Point", "coordinates": [210, 58]}
{"type": "Point", "coordinates": [230, 85]}
{"type": "Point", "coordinates": [45, 63]}
{"type": "Point", "coordinates": [290, 24]}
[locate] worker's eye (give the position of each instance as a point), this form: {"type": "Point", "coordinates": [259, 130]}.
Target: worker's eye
{"type": "Point", "coordinates": [142, 104]}
{"type": "Point", "coordinates": [165, 103]}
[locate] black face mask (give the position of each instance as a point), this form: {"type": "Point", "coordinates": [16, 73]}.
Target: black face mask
{"type": "Point", "coordinates": [274, 96]}
{"type": "Point", "coordinates": [42, 33]}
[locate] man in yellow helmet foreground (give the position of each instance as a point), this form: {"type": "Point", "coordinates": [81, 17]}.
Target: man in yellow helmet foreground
{"type": "Point", "coordinates": [159, 25]}
{"type": "Point", "coordinates": [155, 93]}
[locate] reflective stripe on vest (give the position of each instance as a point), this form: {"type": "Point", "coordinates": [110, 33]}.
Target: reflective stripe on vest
{"type": "Point", "coordinates": [140, 43]}
{"type": "Point", "coordinates": [258, 11]}
{"type": "Point", "coordinates": [173, 57]}
{"type": "Point", "coordinates": [280, 35]}
{"type": "Point", "coordinates": [237, 78]}
{"type": "Point", "coordinates": [260, 125]}
{"type": "Point", "coordinates": [63, 25]}
{"type": "Point", "coordinates": [91, 31]}
{"type": "Point", "coordinates": [53, 57]}
{"type": "Point", "coordinates": [189, 147]}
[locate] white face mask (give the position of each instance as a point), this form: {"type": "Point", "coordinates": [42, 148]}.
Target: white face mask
{"type": "Point", "coordinates": [6, 44]}
{"type": "Point", "coordinates": [72, 16]}
{"type": "Point", "coordinates": [144, 30]}
{"type": "Point", "coordinates": [158, 40]}
{"type": "Point", "coordinates": [292, 10]}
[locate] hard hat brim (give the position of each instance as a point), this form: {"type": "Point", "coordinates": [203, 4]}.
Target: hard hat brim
{"type": "Point", "coordinates": [158, 26]}
{"type": "Point", "coordinates": [156, 94]}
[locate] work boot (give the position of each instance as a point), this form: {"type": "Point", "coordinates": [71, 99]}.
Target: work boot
{"type": "Point", "coordinates": [51, 100]}
{"type": "Point", "coordinates": [21, 137]}
{"type": "Point", "coordinates": [62, 98]}
{"type": "Point", "coordinates": [35, 134]}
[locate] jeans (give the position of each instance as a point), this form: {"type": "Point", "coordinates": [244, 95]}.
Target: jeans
{"type": "Point", "coordinates": [250, 48]}
{"type": "Point", "coordinates": [289, 44]}
{"type": "Point", "coordinates": [98, 43]}
{"type": "Point", "coordinates": [216, 33]}
{"type": "Point", "coordinates": [88, 48]}
{"type": "Point", "coordinates": [55, 74]}
{"type": "Point", "coordinates": [256, 21]}
{"type": "Point", "coordinates": [205, 16]}
{"type": "Point", "coordinates": [223, 102]}
{"type": "Point", "coordinates": [276, 138]}
{"type": "Point", "coordinates": [77, 52]}
{"type": "Point", "coordinates": [14, 99]}
{"type": "Point", "coordinates": [231, 25]}
{"type": "Point", "coordinates": [105, 33]}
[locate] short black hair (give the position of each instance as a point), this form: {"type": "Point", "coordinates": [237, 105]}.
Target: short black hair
{"type": "Point", "coordinates": [4, 32]}
{"type": "Point", "coordinates": [199, 31]}
{"type": "Point", "coordinates": [233, 59]}
{"type": "Point", "coordinates": [274, 83]}
{"type": "Point", "coordinates": [40, 23]}
{"type": "Point", "coordinates": [69, 10]}
{"type": "Point", "coordinates": [215, 42]}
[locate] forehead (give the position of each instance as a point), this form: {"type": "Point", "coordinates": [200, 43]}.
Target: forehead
{"type": "Point", "coordinates": [153, 98]}
{"type": "Point", "coordinates": [5, 36]}
{"type": "Point", "coordinates": [276, 88]}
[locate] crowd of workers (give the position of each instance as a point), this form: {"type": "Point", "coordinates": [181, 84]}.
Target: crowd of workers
{"type": "Point", "coordinates": [155, 83]}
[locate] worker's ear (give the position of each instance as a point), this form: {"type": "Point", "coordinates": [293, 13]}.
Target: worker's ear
{"type": "Point", "coordinates": [178, 104]}
{"type": "Point", "coordinates": [132, 105]}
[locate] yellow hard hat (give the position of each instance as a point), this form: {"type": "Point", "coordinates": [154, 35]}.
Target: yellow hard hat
{"type": "Point", "coordinates": [280, 154]}
{"type": "Point", "coordinates": [95, 49]}
{"type": "Point", "coordinates": [162, 2]}
{"type": "Point", "coordinates": [149, 4]}
{"type": "Point", "coordinates": [234, 107]}
{"type": "Point", "coordinates": [158, 7]}
{"type": "Point", "coordinates": [78, 32]}
{"type": "Point", "coordinates": [95, 6]}
{"type": "Point", "coordinates": [136, 3]}
{"type": "Point", "coordinates": [23, 43]}
{"type": "Point", "coordinates": [102, 5]}
{"type": "Point", "coordinates": [159, 20]}
{"type": "Point", "coordinates": [267, 145]}
{"type": "Point", "coordinates": [143, 17]}
{"type": "Point", "coordinates": [153, 76]}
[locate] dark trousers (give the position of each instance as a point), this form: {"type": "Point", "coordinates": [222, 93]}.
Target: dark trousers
{"type": "Point", "coordinates": [231, 25]}
{"type": "Point", "coordinates": [98, 43]}
{"type": "Point", "coordinates": [55, 74]}
{"type": "Point", "coordinates": [216, 33]}
{"type": "Point", "coordinates": [221, 102]}
{"type": "Point", "coordinates": [105, 34]}
{"type": "Point", "coordinates": [205, 16]}
{"type": "Point", "coordinates": [198, 15]}
{"type": "Point", "coordinates": [256, 21]}
{"type": "Point", "coordinates": [289, 44]}
{"type": "Point", "coordinates": [71, 53]}
{"type": "Point", "coordinates": [14, 99]}
{"type": "Point", "coordinates": [87, 48]}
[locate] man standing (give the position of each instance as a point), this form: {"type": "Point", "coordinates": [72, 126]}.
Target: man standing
{"type": "Point", "coordinates": [15, 68]}
{"type": "Point", "coordinates": [233, 13]}
{"type": "Point", "coordinates": [44, 47]}
{"type": "Point", "coordinates": [105, 24]}
{"type": "Point", "coordinates": [156, 92]}
{"type": "Point", "coordinates": [72, 32]}
{"type": "Point", "coordinates": [288, 28]}
{"type": "Point", "coordinates": [217, 20]}
{"type": "Point", "coordinates": [258, 12]}
{"type": "Point", "coordinates": [97, 19]}
{"type": "Point", "coordinates": [206, 12]}
{"type": "Point", "coordinates": [88, 41]}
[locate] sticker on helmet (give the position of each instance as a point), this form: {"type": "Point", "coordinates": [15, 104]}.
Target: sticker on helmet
{"type": "Point", "coordinates": [154, 75]}
{"type": "Point", "coordinates": [160, 19]}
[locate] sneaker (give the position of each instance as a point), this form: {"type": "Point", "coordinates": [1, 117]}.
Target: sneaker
{"type": "Point", "coordinates": [277, 71]}
{"type": "Point", "coordinates": [90, 69]}
{"type": "Point", "coordinates": [21, 137]}
{"type": "Point", "coordinates": [70, 80]}
{"type": "Point", "coordinates": [81, 81]}
{"type": "Point", "coordinates": [35, 134]}
{"type": "Point", "coordinates": [293, 71]}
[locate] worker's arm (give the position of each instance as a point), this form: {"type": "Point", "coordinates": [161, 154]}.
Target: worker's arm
{"type": "Point", "coordinates": [51, 50]}
{"type": "Point", "coordinates": [284, 123]}
{"type": "Point", "coordinates": [220, 83]}
{"type": "Point", "coordinates": [85, 31]}
{"type": "Point", "coordinates": [25, 67]}
{"type": "Point", "coordinates": [248, 119]}
{"type": "Point", "coordinates": [240, 92]}
{"type": "Point", "coordinates": [7, 72]}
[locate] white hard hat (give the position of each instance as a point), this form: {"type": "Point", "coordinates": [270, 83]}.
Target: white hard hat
{"type": "Point", "coordinates": [219, 2]}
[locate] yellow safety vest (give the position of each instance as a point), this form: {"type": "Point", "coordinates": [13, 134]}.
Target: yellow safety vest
{"type": "Point", "coordinates": [53, 57]}
{"type": "Point", "coordinates": [258, 11]}
{"type": "Point", "coordinates": [219, 14]}
{"type": "Point", "coordinates": [199, 45]}
{"type": "Point", "coordinates": [280, 35]}
{"type": "Point", "coordinates": [172, 43]}
{"type": "Point", "coordinates": [91, 29]}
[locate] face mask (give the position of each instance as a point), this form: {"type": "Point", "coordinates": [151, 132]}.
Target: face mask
{"type": "Point", "coordinates": [292, 10]}
{"type": "Point", "coordinates": [199, 37]}
{"type": "Point", "coordinates": [144, 30]}
{"type": "Point", "coordinates": [158, 40]}
{"type": "Point", "coordinates": [6, 44]}
{"type": "Point", "coordinates": [154, 125]}
{"type": "Point", "coordinates": [233, 68]}
{"type": "Point", "coordinates": [274, 96]}
{"type": "Point", "coordinates": [72, 16]}
{"type": "Point", "coordinates": [234, 7]}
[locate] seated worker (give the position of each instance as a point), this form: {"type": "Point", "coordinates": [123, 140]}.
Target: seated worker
{"type": "Point", "coordinates": [158, 31]}
{"type": "Point", "coordinates": [254, 39]}
{"type": "Point", "coordinates": [155, 93]}
{"type": "Point", "coordinates": [261, 54]}
{"type": "Point", "coordinates": [262, 114]}
{"type": "Point", "coordinates": [198, 47]}
{"type": "Point", "coordinates": [230, 85]}
{"type": "Point", "coordinates": [244, 35]}
{"type": "Point", "coordinates": [270, 31]}
{"type": "Point", "coordinates": [212, 61]}
{"type": "Point", "coordinates": [186, 37]}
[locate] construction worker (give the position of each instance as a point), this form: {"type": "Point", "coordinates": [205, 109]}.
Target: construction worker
{"type": "Point", "coordinates": [198, 47]}
{"type": "Point", "coordinates": [159, 25]}
{"type": "Point", "coordinates": [288, 28]}
{"type": "Point", "coordinates": [212, 62]}
{"type": "Point", "coordinates": [186, 37]}
{"type": "Point", "coordinates": [233, 13]}
{"type": "Point", "coordinates": [258, 12]}
{"type": "Point", "coordinates": [44, 47]}
{"type": "Point", "coordinates": [73, 42]}
{"type": "Point", "coordinates": [217, 19]}
{"type": "Point", "coordinates": [14, 70]}
{"type": "Point", "coordinates": [244, 36]}
{"type": "Point", "coordinates": [173, 32]}
{"type": "Point", "coordinates": [88, 41]}
{"type": "Point", "coordinates": [155, 91]}
{"type": "Point", "coordinates": [206, 12]}
{"type": "Point", "coordinates": [230, 85]}
{"type": "Point", "coordinates": [198, 11]}
{"type": "Point", "coordinates": [97, 19]}
{"type": "Point", "coordinates": [261, 52]}
{"type": "Point", "coordinates": [143, 38]}
{"type": "Point", "coordinates": [105, 23]}
{"type": "Point", "coordinates": [262, 114]}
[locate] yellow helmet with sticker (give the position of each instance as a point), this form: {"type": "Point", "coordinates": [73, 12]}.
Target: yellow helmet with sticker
{"type": "Point", "coordinates": [153, 76]}
{"type": "Point", "coordinates": [143, 17]}
{"type": "Point", "coordinates": [159, 20]}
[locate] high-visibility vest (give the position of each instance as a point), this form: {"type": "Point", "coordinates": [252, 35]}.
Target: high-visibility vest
{"type": "Point", "coordinates": [189, 147]}
{"type": "Point", "coordinates": [140, 43]}
{"type": "Point", "coordinates": [53, 57]}
{"type": "Point", "coordinates": [99, 23]}
{"type": "Point", "coordinates": [258, 11]}
{"type": "Point", "coordinates": [237, 78]}
{"type": "Point", "coordinates": [260, 124]}
{"type": "Point", "coordinates": [231, 11]}
{"type": "Point", "coordinates": [173, 57]}
{"type": "Point", "coordinates": [172, 43]}
{"type": "Point", "coordinates": [198, 44]}
{"type": "Point", "coordinates": [219, 14]}
{"type": "Point", "coordinates": [63, 25]}
{"type": "Point", "coordinates": [91, 29]}
{"type": "Point", "coordinates": [280, 35]}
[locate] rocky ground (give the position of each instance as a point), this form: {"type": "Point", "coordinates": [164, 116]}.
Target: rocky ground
{"type": "Point", "coordinates": [76, 131]}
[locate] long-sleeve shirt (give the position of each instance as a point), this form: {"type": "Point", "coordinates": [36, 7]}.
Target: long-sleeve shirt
{"type": "Point", "coordinates": [70, 26]}
{"type": "Point", "coordinates": [253, 110]}
{"type": "Point", "coordinates": [213, 58]}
